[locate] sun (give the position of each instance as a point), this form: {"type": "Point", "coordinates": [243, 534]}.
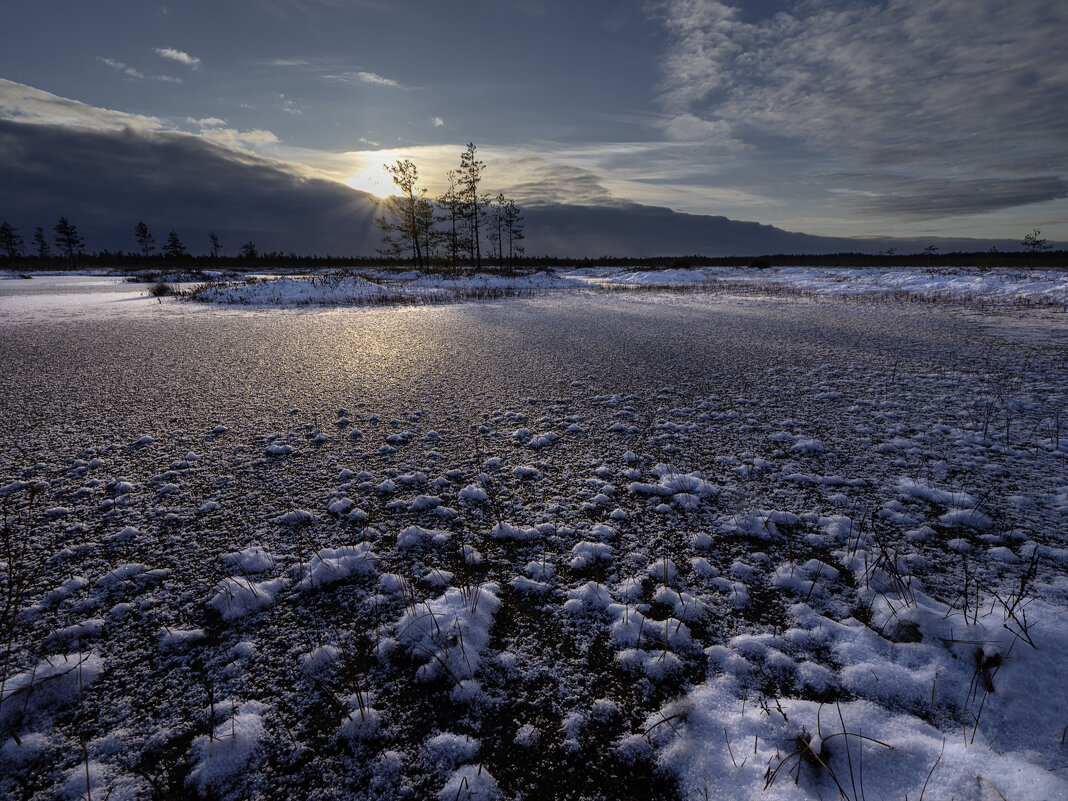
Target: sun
{"type": "Point", "coordinates": [373, 179]}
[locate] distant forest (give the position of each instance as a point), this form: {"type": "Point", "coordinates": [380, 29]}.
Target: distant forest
{"type": "Point", "coordinates": [131, 262]}
{"type": "Point", "coordinates": [411, 232]}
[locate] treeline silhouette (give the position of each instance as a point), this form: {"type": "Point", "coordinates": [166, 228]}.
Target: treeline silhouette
{"type": "Point", "coordinates": [132, 262]}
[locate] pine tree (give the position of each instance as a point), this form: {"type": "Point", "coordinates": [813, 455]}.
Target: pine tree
{"type": "Point", "coordinates": [68, 240]}
{"type": "Point", "coordinates": [452, 206]}
{"type": "Point", "coordinates": [1034, 242]}
{"type": "Point", "coordinates": [469, 177]}
{"type": "Point", "coordinates": [496, 233]}
{"type": "Point", "coordinates": [174, 249]}
{"type": "Point", "coordinates": [408, 228]}
{"type": "Point", "coordinates": [10, 241]}
{"type": "Point", "coordinates": [215, 246]}
{"type": "Point", "coordinates": [513, 226]}
{"type": "Point", "coordinates": [144, 239]}
{"type": "Point", "coordinates": [432, 238]}
{"type": "Point", "coordinates": [41, 244]}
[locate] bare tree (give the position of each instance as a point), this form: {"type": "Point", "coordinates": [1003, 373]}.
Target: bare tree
{"type": "Point", "coordinates": [215, 246]}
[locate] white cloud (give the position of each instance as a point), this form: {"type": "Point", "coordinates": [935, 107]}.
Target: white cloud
{"type": "Point", "coordinates": [171, 54]}
{"type": "Point", "coordinates": [22, 103]}
{"type": "Point", "coordinates": [376, 80]}
{"type": "Point", "coordinates": [239, 140]}
{"type": "Point", "coordinates": [123, 68]}
{"type": "Point", "coordinates": [437, 122]}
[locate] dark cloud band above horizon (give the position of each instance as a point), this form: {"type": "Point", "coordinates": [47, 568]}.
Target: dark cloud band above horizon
{"type": "Point", "coordinates": [861, 118]}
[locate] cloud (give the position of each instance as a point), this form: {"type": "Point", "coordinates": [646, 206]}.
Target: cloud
{"type": "Point", "coordinates": [105, 179]}
{"type": "Point", "coordinates": [921, 199]}
{"type": "Point", "coordinates": [239, 140]}
{"type": "Point", "coordinates": [437, 122]}
{"type": "Point", "coordinates": [956, 91]}
{"type": "Point", "coordinates": [123, 68]}
{"type": "Point", "coordinates": [25, 104]}
{"type": "Point", "coordinates": [535, 181]}
{"type": "Point", "coordinates": [171, 54]}
{"type": "Point", "coordinates": [376, 80]}
{"type": "Point", "coordinates": [369, 78]}
{"type": "Point", "coordinates": [22, 103]}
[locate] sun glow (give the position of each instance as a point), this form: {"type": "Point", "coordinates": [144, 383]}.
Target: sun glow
{"type": "Point", "coordinates": [373, 179]}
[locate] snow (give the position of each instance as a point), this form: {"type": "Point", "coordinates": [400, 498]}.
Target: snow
{"type": "Point", "coordinates": [369, 288]}
{"type": "Point", "coordinates": [224, 754]}
{"type": "Point", "coordinates": [237, 596]}
{"type": "Point", "coordinates": [698, 601]}
{"type": "Point", "coordinates": [330, 565]}
{"type": "Point", "coordinates": [448, 633]}
{"type": "Point", "coordinates": [1049, 286]}
{"type": "Point", "coordinates": [54, 680]}
{"type": "Point", "coordinates": [470, 783]}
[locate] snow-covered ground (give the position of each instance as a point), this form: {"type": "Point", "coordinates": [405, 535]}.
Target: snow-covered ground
{"type": "Point", "coordinates": [1047, 288]}
{"type": "Point", "coordinates": [373, 288]}
{"type": "Point", "coordinates": [670, 546]}
{"type": "Point", "coordinates": [954, 284]}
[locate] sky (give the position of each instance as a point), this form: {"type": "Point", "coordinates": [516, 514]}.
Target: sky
{"type": "Point", "coordinates": [905, 118]}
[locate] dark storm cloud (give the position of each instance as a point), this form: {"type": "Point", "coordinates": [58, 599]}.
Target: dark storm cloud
{"type": "Point", "coordinates": [926, 198]}
{"type": "Point", "coordinates": [107, 180]}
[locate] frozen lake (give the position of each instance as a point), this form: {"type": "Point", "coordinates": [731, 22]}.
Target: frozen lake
{"type": "Point", "coordinates": [246, 510]}
{"type": "Point", "coordinates": [80, 348]}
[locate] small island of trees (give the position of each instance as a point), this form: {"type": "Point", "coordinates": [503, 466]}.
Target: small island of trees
{"type": "Point", "coordinates": [447, 232]}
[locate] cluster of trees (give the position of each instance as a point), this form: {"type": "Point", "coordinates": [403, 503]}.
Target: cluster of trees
{"type": "Point", "coordinates": [448, 231]}
{"type": "Point", "coordinates": [175, 250]}
{"type": "Point", "coordinates": [71, 245]}
{"type": "Point", "coordinates": [68, 241]}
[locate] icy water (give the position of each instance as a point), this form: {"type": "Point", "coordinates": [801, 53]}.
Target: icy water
{"type": "Point", "coordinates": [603, 464]}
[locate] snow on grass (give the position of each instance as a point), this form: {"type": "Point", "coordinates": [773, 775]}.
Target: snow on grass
{"type": "Point", "coordinates": [253, 559]}
{"type": "Point", "coordinates": [470, 783]}
{"type": "Point", "coordinates": [995, 285]}
{"type": "Point", "coordinates": [361, 721]}
{"type": "Point", "coordinates": [237, 596]}
{"type": "Point", "coordinates": [448, 633]}
{"type": "Point", "coordinates": [347, 289]}
{"type": "Point", "coordinates": [666, 608]}
{"type": "Point", "coordinates": [55, 679]}
{"type": "Point", "coordinates": [330, 565]}
{"type": "Point", "coordinates": [223, 755]}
